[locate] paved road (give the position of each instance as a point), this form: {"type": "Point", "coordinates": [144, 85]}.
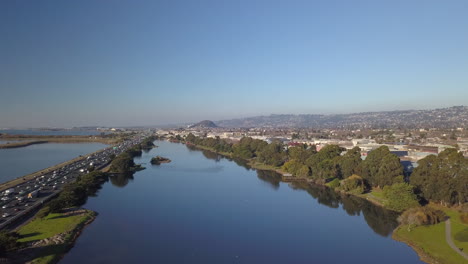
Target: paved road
{"type": "Point", "coordinates": [448, 237]}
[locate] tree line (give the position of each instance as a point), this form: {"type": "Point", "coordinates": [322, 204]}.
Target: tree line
{"type": "Point", "coordinates": [442, 178]}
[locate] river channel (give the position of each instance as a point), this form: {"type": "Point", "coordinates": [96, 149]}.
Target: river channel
{"type": "Point", "coordinates": [203, 208]}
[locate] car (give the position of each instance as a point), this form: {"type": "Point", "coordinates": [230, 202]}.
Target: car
{"type": "Point", "coordinates": [5, 215]}
{"type": "Point", "coordinates": [5, 206]}
{"type": "Point", "coordinates": [5, 198]}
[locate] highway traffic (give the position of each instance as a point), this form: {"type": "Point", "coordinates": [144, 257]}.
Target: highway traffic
{"type": "Point", "coordinates": [25, 197]}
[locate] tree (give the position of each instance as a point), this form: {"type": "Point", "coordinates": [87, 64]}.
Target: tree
{"type": "Point", "coordinates": [400, 196]}
{"type": "Point", "coordinates": [190, 138]}
{"type": "Point", "coordinates": [390, 171]}
{"type": "Point", "coordinates": [381, 167]}
{"type": "Point", "coordinates": [243, 148]}
{"type": "Point", "coordinates": [272, 154]}
{"type": "Point", "coordinates": [292, 166]}
{"type": "Point", "coordinates": [122, 163]}
{"type": "Point", "coordinates": [417, 216]}
{"type": "Point", "coordinates": [325, 160]}
{"type": "Point", "coordinates": [303, 172]}
{"type": "Point", "coordinates": [353, 184]}
{"type": "Point", "coordinates": [442, 178]}
{"type": "Point", "coordinates": [299, 153]}
{"type": "Point", "coordinates": [7, 242]}
{"type": "Point", "coordinates": [350, 163]}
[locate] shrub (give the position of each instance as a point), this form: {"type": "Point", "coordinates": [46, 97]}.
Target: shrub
{"type": "Point", "coordinates": [8, 241]}
{"type": "Point", "coordinates": [421, 216]}
{"type": "Point", "coordinates": [464, 218]}
{"type": "Point", "coordinates": [43, 212]}
{"type": "Point", "coordinates": [334, 184]}
{"type": "Point", "coordinates": [400, 196]}
{"type": "Point", "coordinates": [353, 184]}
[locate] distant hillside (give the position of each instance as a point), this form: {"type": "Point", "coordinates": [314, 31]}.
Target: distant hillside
{"type": "Point", "coordinates": [452, 117]}
{"type": "Point", "coordinates": [204, 124]}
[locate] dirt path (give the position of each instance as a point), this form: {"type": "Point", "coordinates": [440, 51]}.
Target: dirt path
{"type": "Point", "coordinates": [448, 237]}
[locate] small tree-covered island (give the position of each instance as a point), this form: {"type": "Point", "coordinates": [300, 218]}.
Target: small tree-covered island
{"type": "Point", "coordinates": [430, 200]}
{"type": "Point", "coordinates": [158, 160]}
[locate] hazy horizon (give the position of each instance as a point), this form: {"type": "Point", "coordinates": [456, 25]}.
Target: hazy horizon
{"type": "Point", "coordinates": [175, 123]}
{"type": "Point", "coordinates": [152, 63]}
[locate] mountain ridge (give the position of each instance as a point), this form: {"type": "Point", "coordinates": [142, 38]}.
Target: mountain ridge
{"type": "Point", "coordinates": [450, 117]}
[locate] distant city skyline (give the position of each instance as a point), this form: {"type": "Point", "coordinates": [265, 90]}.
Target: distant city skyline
{"type": "Point", "coordinates": [147, 63]}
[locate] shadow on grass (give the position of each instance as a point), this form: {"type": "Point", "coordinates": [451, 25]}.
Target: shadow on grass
{"type": "Point", "coordinates": [30, 235]}
{"type": "Point", "coordinates": [51, 252]}
{"type": "Point", "coordinates": [66, 215]}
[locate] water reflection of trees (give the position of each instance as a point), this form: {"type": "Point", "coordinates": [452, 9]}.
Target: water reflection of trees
{"type": "Point", "coordinates": [382, 221]}
{"type": "Point", "coordinates": [211, 155]}
{"type": "Point", "coordinates": [272, 178]}
{"type": "Point", "coordinates": [121, 179]}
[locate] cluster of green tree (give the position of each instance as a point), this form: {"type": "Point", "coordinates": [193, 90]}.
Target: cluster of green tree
{"type": "Point", "coordinates": [176, 138]}
{"type": "Point", "coordinates": [8, 241]}
{"type": "Point", "coordinates": [135, 151]}
{"type": "Point", "coordinates": [248, 148]}
{"type": "Point", "coordinates": [76, 193]}
{"type": "Point", "coordinates": [147, 143]}
{"type": "Point", "coordinates": [124, 163]}
{"type": "Point", "coordinates": [382, 168]}
{"type": "Point", "coordinates": [354, 184]}
{"type": "Point", "coordinates": [325, 165]}
{"type": "Point", "coordinates": [442, 178]}
{"type": "Point", "coordinates": [158, 160]}
{"type": "Point", "coordinates": [400, 196]}
{"type": "Point", "coordinates": [216, 144]}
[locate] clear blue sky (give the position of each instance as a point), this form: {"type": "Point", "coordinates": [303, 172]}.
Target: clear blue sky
{"type": "Point", "coordinates": [124, 63]}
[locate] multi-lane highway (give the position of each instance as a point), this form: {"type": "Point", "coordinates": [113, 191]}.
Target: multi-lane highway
{"type": "Point", "coordinates": [17, 202]}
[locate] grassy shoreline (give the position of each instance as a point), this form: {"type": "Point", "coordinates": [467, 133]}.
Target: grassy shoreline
{"type": "Point", "coordinates": [47, 240]}
{"type": "Point", "coordinates": [429, 241]}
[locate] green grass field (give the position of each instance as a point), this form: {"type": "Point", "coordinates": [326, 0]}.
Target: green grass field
{"type": "Point", "coordinates": [459, 230]}
{"type": "Point", "coordinates": [50, 226]}
{"type": "Point", "coordinates": [431, 239]}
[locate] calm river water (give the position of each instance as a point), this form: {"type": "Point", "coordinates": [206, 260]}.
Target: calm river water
{"type": "Point", "coordinates": [17, 162]}
{"type": "Point", "coordinates": [202, 208]}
